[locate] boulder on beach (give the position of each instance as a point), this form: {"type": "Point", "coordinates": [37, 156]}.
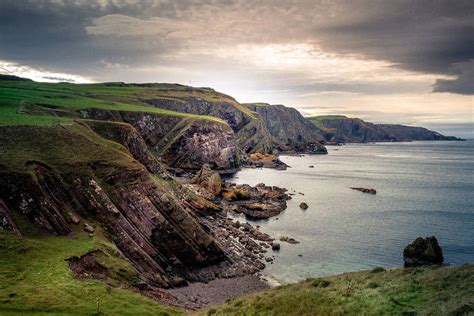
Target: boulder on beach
{"type": "Point", "coordinates": [73, 218]}
{"type": "Point", "coordinates": [88, 228]}
{"type": "Point", "coordinates": [423, 251]}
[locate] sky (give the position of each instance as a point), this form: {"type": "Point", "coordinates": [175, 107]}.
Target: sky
{"type": "Point", "coordinates": [385, 61]}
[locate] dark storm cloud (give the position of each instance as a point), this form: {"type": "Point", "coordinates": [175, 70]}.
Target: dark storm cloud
{"type": "Point", "coordinates": [426, 36]}
{"type": "Point", "coordinates": [53, 34]}
{"type": "Point", "coordinates": [463, 84]}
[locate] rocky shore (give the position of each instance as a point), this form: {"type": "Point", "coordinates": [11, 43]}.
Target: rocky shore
{"type": "Point", "coordinates": [259, 160]}
{"type": "Point", "coordinates": [247, 249]}
{"type": "Point", "coordinates": [257, 202]}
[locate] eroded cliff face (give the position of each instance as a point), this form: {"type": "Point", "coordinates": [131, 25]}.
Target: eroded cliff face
{"type": "Point", "coordinates": [6, 219]}
{"type": "Point", "coordinates": [50, 175]}
{"type": "Point", "coordinates": [264, 129]}
{"type": "Point", "coordinates": [251, 133]}
{"type": "Point", "coordinates": [403, 132]}
{"type": "Point", "coordinates": [289, 130]}
{"type": "Point", "coordinates": [354, 130]}
{"type": "Point", "coordinates": [179, 141]}
{"type": "Point", "coordinates": [227, 109]}
{"type": "Point", "coordinates": [190, 144]}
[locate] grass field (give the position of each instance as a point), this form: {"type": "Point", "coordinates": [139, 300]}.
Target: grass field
{"type": "Point", "coordinates": [35, 279]}
{"type": "Point", "coordinates": [113, 97]}
{"type": "Point", "coordinates": [413, 291]}
{"type": "Point", "coordinates": [317, 120]}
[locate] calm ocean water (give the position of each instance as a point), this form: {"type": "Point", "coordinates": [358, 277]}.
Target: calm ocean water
{"type": "Point", "coordinates": [423, 189]}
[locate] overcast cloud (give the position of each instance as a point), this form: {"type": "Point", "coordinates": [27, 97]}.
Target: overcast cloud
{"type": "Point", "coordinates": [318, 56]}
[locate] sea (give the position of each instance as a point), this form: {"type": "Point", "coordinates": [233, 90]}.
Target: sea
{"type": "Point", "coordinates": [423, 189]}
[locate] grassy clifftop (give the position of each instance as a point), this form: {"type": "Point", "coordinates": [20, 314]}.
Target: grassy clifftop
{"type": "Point", "coordinates": [413, 291]}
{"type": "Point", "coordinates": [14, 94]}
{"type": "Point", "coordinates": [317, 120]}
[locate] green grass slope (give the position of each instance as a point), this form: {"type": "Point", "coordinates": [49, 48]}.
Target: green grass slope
{"type": "Point", "coordinates": [107, 96]}
{"type": "Point", "coordinates": [317, 120]}
{"type": "Point", "coordinates": [34, 276]}
{"type": "Point", "coordinates": [35, 279]}
{"type": "Point", "coordinates": [413, 291]}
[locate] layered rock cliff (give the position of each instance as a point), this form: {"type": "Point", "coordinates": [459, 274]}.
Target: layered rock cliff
{"type": "Point", "coordinates": [265, 129]}
{"type": "Point", "coordinates": [251, 134]}
{"type": "Point", "coordinates": [179, 141]}
{"type": "Point", "coordinates": [339, 128]}
{"type": "Point", "coordinates": [55, 176]}
{"type": "Point", "coordinates": [289, 130]}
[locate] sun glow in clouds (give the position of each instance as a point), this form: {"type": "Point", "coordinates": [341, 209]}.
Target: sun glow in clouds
{"type": "Point", "coordinates": [40, 75]}
{"type": "Point", "coordinates": [318, 65]}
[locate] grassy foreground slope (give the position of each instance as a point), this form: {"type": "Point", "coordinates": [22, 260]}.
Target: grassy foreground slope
{"type": "Point", "coordinates": [412, 291]}
{"type": "Point", "coordinates": [35, 279]}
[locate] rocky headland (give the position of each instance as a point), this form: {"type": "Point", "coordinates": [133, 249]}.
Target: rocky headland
{"type": "Point", "coordinates": [133, 171]}
{"type": "Point", "coordinates": [342, 129]}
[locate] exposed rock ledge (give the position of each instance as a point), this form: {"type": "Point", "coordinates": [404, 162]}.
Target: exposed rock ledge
{"type": "Point", "coordinates": [257, 202]}
{"type": "Point", "coordinates": [259, 160]}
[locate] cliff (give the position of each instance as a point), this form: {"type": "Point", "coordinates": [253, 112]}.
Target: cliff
{"type": "Point", "coordinates": [337, 128]}
{"type": "Point", "coordinates": [179, 140]}
{"type": "Point", "coordinates": [265, 129]}
{"type": "Point", "coordinates": [49, 175]}
{"type": "Point", "coordinates": [170, 117]}
{"type": "Point", "coordinates": [93, 160]}
{"type": "Point", "coordinates": [101, 176]}
{"type": "Point", "coordinates": [289, 130]}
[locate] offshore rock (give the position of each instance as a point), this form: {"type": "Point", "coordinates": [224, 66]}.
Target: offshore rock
{"type": "Point", "coordinates": [365, 190]}
{"type": "Point", "coordinates": [257, 202]}
{"type": "Point", "coordinates": [303, 206]}
{"type": "Point", "coordinates": [423, 251]}
{"type": "Point", "coordinates": [259, 160]}
{"type": "Point", "coordinates": [275, 246]}
{"type": "Point", "coordinates": [289, 240]}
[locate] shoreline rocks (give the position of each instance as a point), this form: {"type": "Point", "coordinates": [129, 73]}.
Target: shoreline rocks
{"type": "Point", "coordinates": [258, 202]}
{"type": "Point", "coordinates": [260, 160]}
{"type": "Point", "coordinates": [209, 180]}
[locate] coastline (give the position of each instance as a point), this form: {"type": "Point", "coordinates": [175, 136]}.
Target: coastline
{"type": "Point", "coordinates": [201, 295]}
{"type": "Point", "coordinates": [265, 275]}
